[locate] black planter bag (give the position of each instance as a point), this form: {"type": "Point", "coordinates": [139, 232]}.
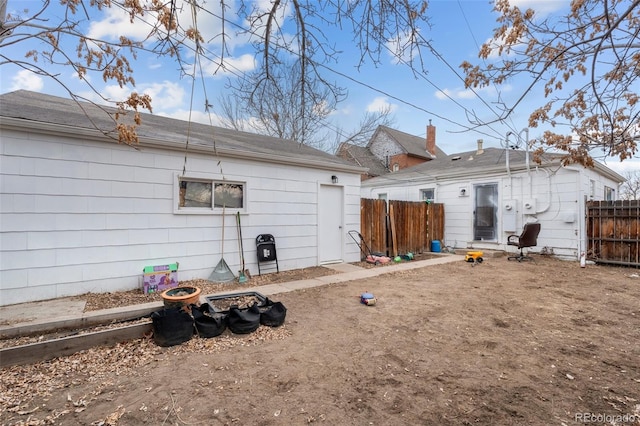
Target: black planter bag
{"type": "Point", "coordinates": [243, 320]}
{"type": "Point", "coordinates": [272, 314]}
{"type": "Point", "coordinates": [209, 323]}
{"type": "Point", "coordinates": [171, 326]}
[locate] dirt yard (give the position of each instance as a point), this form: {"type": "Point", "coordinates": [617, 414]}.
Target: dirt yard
{"type": "Point", "coordinates": [500, 343]}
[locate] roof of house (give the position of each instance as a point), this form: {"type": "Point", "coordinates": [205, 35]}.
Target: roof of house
{"type": "Point", "coordinates": [46, 113]}
{"type": "Point", "coordinates": [491, 160]}
{"type": "Point", "coordinates": [413, 145]}
{"type": "Point", "coordinates": [363, 157]}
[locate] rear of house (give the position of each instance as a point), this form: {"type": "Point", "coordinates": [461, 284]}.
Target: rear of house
{"type": "Point", "coordinates": [491, 193]}
{"type": "Point", "coordinates": [82, 213]}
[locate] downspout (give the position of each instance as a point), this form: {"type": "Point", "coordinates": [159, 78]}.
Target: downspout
{"type": "Point", "coordinates": [526, 159]}
{"type": "Point", "coordinates": [506, 144]}
{"type": "Point", "coordinates": [548, 191]}
{"type": "Point", "coordinates": [580, 214]}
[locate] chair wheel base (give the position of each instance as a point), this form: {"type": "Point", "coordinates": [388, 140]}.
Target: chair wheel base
{"type": "Point", "coordinates": [520, 258]}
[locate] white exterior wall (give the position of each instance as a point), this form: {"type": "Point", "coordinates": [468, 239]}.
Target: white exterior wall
{"type": "Point", "coordinates": [81, 216]}
{"type": "Point", "coordinates": [383, 147]}
{"type": "Point", "coordinates": [557, 196]}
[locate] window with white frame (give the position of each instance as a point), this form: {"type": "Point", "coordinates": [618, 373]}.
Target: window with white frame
{"type": "Point", "coordinates": [609, 194]}
{"type": "Point", "coordinates": [197, 195]}
{"type": "Point", "coordinates": [428, 194]}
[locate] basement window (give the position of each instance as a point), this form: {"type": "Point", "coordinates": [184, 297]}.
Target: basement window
{"type": "Point", "coordinates": [197, 195]}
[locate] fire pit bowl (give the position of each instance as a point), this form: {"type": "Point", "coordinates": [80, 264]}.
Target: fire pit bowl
{"type": "Point", "coordinates": [181, 297]}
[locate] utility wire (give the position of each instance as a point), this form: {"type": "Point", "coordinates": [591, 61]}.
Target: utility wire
{"type": "Point", "coordinates": [230, 68]}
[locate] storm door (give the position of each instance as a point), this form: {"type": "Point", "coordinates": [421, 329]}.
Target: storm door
{"type": "Point", "coordinates": [485, 212]}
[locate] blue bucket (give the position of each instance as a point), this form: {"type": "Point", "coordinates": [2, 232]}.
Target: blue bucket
{"type": "Point", "coordinates": [435, 246]}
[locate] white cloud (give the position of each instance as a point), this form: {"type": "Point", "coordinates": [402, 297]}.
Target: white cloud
{"type": "Point", "coordinates": [455, 94]}
{"type": "Point", "coordinates": [117, 23]}
{"type": "Point", "coordinates": [622, 167]}
{"type": "Point", "coordinates": [165, 96]}
{"type": "Point", "coordinates": [462, 93]}
{"type": "Point", "coordinates": [400, 49]}
{"type": "Point", "coordinates": [232, 65]}
{"type": "Point", "coordinates": [86, 77]}
{"type": "Point", "coordinates": [262, 7]}
{"type": "Point", "coordinates": [541, 7]}
{"type": "Point", "coordinates": [116, 93]}
{"type": "Point", "coordinates": [196, 116]}
{"type": "Point", "coordinates": [495, 47]}
{"type": "Point", "coordinates": [27, 80]}
{"type": "Point", "coordinates": [381, 104]}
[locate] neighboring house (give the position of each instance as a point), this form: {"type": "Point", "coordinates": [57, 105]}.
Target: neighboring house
{"type": "Point", "coordinates": [391, 150]}
{"type": "Point", "coordinates": [81, 213]}
{"type": "Point", "coordinates": [491, 193]}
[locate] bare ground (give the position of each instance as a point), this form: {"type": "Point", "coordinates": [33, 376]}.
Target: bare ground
{"type": "Point", "coordinates": [493, 344]}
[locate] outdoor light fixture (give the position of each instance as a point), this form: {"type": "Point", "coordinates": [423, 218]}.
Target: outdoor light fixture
{"type": "Point", "coordinates": [334, 179]}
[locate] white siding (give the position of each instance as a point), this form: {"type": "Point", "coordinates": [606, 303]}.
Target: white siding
{"type": "Point", "coordinates": [558, 195]}
{"type": "Point", "coordinates": [384, 146]}
{"type": "Point", "coordinates": [82, 216]}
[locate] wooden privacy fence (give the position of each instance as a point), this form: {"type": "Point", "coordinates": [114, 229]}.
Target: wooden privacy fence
{"type": "Point", "coordinates": [613, 232]}
{"type": "Point", "coordinates": [407, 226]}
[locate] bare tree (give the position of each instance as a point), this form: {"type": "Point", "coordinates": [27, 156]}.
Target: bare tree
{"type": "Point", "coordinates": [630, 189]}
{"type": "Point", "coordinates": [360, 135]}
{"type": "Point", "coordinates": [586, 62]}
{"type": "Point", "coordinates": [279, 109]}
{"type": "Point", "coordinates": [372, 23]}
{"type": "Point", "coordinates": [275, 111]}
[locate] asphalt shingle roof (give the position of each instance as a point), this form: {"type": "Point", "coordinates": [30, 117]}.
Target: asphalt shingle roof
{"type": "Point", "coordinates": [414, 145]}
{"type": "Point", "coordinates": [362, 156]}
{"type": "Point", "coordinates": [38, 107]}
{"type": "Point", "coordinates": [467, 163]}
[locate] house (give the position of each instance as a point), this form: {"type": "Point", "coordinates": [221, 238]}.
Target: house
{"type": "Point", "coordinates": [391, 150]}
{"type": "Point", "coordinates": [82, 213]}
{"type": "Point", "coordinates": [490, 193]}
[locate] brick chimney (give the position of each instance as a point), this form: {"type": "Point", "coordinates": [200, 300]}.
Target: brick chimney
{"type": "Point", "coordinates": [480, 150]}
{"type": "Point", "coordinates": [431, 139]}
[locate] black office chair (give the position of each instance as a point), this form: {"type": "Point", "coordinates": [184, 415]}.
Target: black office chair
{"type": "Point", "coordinates": [528, 238]}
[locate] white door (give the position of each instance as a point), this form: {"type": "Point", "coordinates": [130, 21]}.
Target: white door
{"type": "Point", "coordinates": [330, 232]}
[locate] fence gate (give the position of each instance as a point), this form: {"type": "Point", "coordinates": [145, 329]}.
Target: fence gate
{"type": "Point", "coordinates": [613, 232]}
{"type": "Point", "coordinates": [401, 227]}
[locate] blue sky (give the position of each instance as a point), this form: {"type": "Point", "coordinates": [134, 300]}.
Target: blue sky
{"type": "Point", "coordinates": [458, 28]}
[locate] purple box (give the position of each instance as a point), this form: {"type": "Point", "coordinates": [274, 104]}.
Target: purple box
{"type": "Point", "coordinates": [159, 278]}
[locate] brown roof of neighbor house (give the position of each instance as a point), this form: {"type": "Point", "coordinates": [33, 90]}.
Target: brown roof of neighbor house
{"type": "Point", "coordinates": [361, 156]}
{"type": "Point", "coordinates": [414, 145]}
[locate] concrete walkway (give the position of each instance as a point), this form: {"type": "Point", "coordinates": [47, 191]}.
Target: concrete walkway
{"type": "Point", "coordinates": [28, 318]}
